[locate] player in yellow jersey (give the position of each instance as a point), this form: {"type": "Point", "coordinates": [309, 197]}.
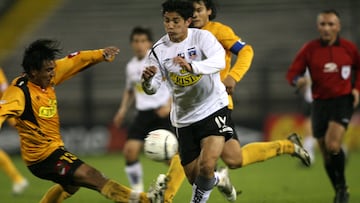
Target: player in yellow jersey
{"type": "Point", "coordinates": [233, 155]}
{"type": "Point", "coordinates": [31, 100]}
{"type": "Point", "coordinates": [19, 182]}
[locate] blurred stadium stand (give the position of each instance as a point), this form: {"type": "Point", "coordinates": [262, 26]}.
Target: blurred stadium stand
{"type": "Point", "coordinates": [276, 29]}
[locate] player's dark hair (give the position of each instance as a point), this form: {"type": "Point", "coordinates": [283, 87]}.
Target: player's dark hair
{"type": "Point", "coordinates": [184, 8]}
{"type": "Point", "coordinates": [209, 4]}
{"type": "Point", "coordinates": [141, 31]}
{"type": "Point", "coordinates": [331, 11]}
{"type": "Point", "coordinates": [39, 51]}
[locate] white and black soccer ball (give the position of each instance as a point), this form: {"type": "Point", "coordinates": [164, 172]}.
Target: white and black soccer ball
{"type": "Point", "coordinates": [160, 145]}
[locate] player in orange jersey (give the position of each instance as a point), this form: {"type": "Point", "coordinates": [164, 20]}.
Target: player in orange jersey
{"type": "Point", "coordinates": [31, 100]}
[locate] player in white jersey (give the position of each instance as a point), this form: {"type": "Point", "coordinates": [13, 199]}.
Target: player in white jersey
{"type": "Point", "coordinates": [197, 92]}
{"type": "Point", "coordinates": [190, 61]}
{"type": "Point", "coordinates": [153, 110]}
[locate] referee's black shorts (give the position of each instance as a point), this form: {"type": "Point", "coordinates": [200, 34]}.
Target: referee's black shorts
{"type": "Point", "coordinates": [339, 109]}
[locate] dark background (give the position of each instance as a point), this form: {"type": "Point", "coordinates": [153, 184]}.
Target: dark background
{"type": "Point", "coordinates": [276, 29]}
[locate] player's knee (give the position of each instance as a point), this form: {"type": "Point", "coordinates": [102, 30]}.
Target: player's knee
{"type": "Point", "coordinates": [333, 147]}
{"type": "Point", "coordinates": [233, 164]}
{"type": "Point", "coordinates": [131, 154]}
{"type": "Point", "coordinates": [207, 168]}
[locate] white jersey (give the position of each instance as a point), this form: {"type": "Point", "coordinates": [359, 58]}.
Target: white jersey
{"type": "Point", "coordinates": [144, 101]}
{"type": "Point", "coordinates": [195, 95]}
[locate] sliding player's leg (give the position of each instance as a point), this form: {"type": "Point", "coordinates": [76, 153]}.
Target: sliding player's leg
{"type": "Point", "coordinates": [235, 156]}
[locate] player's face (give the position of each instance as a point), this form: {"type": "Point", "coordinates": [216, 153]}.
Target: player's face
{"type": "Point", "coordinates": [43, 76]}
{"type": "Point", "coordinates": [201, 15]}
{"type": "Point", "coordinates": [328, 26]}
{"type": "Point", "coordinates": [140, 45]}
{"type": "Point", "coordinates": [175, 26]}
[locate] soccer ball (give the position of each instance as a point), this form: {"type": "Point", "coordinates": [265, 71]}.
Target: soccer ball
{"type": "Point", "coordinates": [160, 145]}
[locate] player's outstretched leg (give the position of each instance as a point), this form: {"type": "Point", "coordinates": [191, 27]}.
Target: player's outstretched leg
{"type": "Point", "coordinates": [261, 151]}
{"type": "Point", "coordinates": [175, 177]}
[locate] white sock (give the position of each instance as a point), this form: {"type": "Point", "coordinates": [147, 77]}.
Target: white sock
{"type": "Point", "coordinates": [201, 189]}
{"type": "Point", "coordinates": [199, 195]}
{"type": "Point", "coordinates": [134, 173]}
{"type": "Point", "coordinates": [309, 145]}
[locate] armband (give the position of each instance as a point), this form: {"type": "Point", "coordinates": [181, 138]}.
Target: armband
{"type": "Point", "coordinates": [235, 49]}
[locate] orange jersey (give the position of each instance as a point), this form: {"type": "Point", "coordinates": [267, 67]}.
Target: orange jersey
{"type": "Point", "coordinates": [227, 38]}
{"type": "Point", "coordinates": [36, 111]}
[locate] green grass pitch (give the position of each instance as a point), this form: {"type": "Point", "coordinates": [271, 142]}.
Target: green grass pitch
{"type": "Point", "coordinates": [279, 180]}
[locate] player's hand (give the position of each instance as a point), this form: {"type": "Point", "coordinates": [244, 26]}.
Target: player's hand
{"type": "Point", "coordinates": [110, 52]}
{"type": "Point", "coordinates": [230, 84]}
{"type": "Point", "coordinates": [300, 83]}
{"type": "Point", "coordinates": [355, 94]}
{"type": "Point", "coordinates": [149, 72]}
{"type": "Point", "coordinates": [183, 63]}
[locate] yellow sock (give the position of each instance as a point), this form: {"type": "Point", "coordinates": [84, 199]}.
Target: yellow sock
{"type": "Point", "coordinates": [122, 194]}
{"type": "Point", "coordinates": [7, 165]}
{"type": "Point", "coordinates": [261, 151]}
{"type": "Point", "coordinates": [176, 176]}
{"type": "Point", "coordinates": [55, 194]}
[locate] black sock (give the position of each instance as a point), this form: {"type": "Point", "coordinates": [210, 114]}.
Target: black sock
{"type": "Point", "coordinates": [335, 168]}
{"type": "Point", "coordinates": [339, 164]}
{"type": "Point", "coordinates": [330, 170]}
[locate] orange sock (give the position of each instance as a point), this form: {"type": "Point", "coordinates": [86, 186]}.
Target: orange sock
{"type": "Point", "coordinates": [55, 194]}
{"type": "Point", "coordinates": [261, 151]}
{"type": "Point", "coordinates": [176, 176]}
{"type": "Point", "coordinates": [122, 194]}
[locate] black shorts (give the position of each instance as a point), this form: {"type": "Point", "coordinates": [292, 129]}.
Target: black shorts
{"type": "Point", "coordinates": [338, 109]}
{"type": "Point", "coordinates": [306, 108]}
{"type": "Point", "coordinates": [146, 121]}
{"type": "Point", "coordinates": [191, 136]}
{"type": "Point", "coordinates": [59, 167]}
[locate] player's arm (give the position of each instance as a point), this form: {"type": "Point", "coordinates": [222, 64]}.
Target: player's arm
{"type": "Point", "coordinates": [12, 103]}
{"type": "Point", "coordinates": [78, 61]}
{"type": "Point", "coordinates": [215, 56]}
{"type": "Point", "coordinates": [245, 54]}
{"type": "Point", "coordinates": [297, 69]}
{"type": "Point", "coordinates": [126, 101]}
{"type": "Point", "coordinates": [152, 77]}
